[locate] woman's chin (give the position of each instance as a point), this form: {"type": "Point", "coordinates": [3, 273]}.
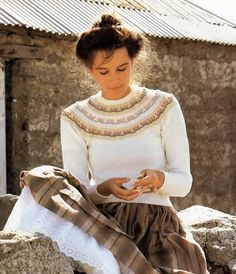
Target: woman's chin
{"type": "Point", "coordinates": [116, 88]}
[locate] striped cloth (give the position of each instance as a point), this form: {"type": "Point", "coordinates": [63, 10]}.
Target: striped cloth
{"type": "Point", "coordinates": [62, 193]}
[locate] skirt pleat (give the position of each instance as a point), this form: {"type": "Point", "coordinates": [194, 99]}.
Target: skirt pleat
{"type": "Point", "coordinates": [160, 235]}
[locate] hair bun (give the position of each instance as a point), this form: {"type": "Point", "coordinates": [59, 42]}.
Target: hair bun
{"type": "Point", "coordinates": [107, 20]}
{"type": "Point", "coordinates": [107, 34]}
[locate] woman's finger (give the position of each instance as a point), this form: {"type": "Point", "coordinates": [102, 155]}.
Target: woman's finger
{"type": "Point", "coordinates": [128, 197]}
{"type": "Point", "coordinates": [121, 180]}
{"type": "Point", "coordinates": [147, 180]}
{"type": "Point", "coordinates": [126, 192]}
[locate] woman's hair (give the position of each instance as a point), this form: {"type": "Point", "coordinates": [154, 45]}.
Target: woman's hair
{"type": "Point", "coordinates": [107, 34]}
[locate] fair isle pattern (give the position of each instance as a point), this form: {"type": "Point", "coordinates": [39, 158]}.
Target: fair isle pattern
{"type": "Point", "coordinates": [117, 108]}
{"type": "Point", "coordinates": [114, 132]}
{"type": "Point", "coordinates": [118, 120]}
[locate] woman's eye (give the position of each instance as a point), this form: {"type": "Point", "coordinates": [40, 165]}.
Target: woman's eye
{"type": "Point", "coordinates": [123, 69]}
{"type": "Point", "coordinates": [103, 73]}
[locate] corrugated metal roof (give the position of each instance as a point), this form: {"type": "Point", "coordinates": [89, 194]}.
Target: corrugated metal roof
{"type": "Point", "coordinates": [162, 18]}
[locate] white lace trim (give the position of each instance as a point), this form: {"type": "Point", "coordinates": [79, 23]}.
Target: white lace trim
{"type": "Point", "coordinates": [29, 216]}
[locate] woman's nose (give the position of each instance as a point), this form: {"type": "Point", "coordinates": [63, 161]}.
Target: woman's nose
{"type": "Point", "coordinates": [113, 78]}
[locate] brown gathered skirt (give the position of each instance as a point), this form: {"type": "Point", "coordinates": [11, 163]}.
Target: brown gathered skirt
{"type": "Point", "coordinates": [160, 235]}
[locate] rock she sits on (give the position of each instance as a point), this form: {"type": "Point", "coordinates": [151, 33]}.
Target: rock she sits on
{"type": "Point", "coordinates": [31, 253]}
{"type": "Point", "coordinates": [215, 231]}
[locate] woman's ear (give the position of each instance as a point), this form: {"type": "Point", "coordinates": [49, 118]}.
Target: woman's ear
{"type": "Point", "coordinates": [132, 63]}
{"type": "Point", "coordinates": [89, 69]}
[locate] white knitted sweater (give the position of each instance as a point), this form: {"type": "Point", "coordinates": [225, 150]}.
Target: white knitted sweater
{"type": "Point", "coordinates": [119, 138]}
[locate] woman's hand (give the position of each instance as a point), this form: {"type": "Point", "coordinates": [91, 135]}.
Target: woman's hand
{"type": "Point", "coordinates": [149, 180]}
{"type": "Point", "coordinates": [114, 186]}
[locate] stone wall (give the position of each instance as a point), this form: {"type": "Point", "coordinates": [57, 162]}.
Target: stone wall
{"type": "Point", "coordinates": [201, 75]}
{"type": "Point", "coordinates": [36, 92]}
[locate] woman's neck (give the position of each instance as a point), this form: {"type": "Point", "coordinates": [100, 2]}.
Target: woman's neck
{"type": "Point", "coordinates": [115, 95]}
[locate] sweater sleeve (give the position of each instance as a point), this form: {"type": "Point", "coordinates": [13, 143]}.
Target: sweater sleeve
{"type": "Point", "coordinates": [178, 179]}
{"type": "Point", "coordinates": [75, 156]}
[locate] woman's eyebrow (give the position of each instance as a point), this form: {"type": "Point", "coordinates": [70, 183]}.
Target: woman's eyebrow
{"type": "Point", "coordinates": [123, 64]}
{"type": "Point", "coordinates": [126, 63]}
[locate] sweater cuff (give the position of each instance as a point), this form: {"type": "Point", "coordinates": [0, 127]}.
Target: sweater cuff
{"type": "Point", "coordinates": [166, 187]}
{"type": "Point", "coordinates": [97, 197]}
{"type": "Point", "coordinates": [176, 183]}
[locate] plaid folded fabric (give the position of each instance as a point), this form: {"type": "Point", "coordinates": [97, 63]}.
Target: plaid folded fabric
{"type": "Point", "coordinates": [62, 193]}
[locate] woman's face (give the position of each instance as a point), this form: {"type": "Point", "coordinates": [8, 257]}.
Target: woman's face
{"type": "Point", "coordinates": [113, 74]}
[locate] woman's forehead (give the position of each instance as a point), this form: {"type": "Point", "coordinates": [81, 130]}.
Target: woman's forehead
{"type": "Point", "coordinates": [104, 58]}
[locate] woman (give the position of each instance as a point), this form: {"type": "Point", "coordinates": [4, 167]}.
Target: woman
{"type": "Point", "coordinates": [133, 142]}
{"type": "Point", "coordinates": [124, 132]}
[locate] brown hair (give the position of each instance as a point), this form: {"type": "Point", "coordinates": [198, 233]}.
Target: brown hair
{"type": "Point", "coordinates": [107, 34]}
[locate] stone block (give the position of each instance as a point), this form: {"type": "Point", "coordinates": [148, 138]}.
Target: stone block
{"type": "Point", "coordinates": [215, 231]}
{"type": "Point", "coordinates": [7, 203]}
{"type": "Point", "coordinates": [31, 253]}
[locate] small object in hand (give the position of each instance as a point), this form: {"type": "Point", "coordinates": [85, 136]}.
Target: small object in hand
{"type": "Point", "coordinates": [149, 188]}
{"type": "Point", "coordinates": [141, 176]}
{"type": "Point", "coordinates": [138, 187]}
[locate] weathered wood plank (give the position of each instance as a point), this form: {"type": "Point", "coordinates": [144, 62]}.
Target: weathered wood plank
{"type": "Point", "coordinates": [13, 51]}
{"type": "Point", "coordinates": [3, 185]}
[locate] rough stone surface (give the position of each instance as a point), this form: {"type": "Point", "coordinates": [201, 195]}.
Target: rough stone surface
{"type": "Point", "coordinates": [232, 266]}
{"type": "Point", "coordinates": [31, 253]}
{"type": "Point", "coordinates": [6, 204]}
{"type": "Point", "coordinates": [215, 231]}
{"type": "Point", "coordinates": [200, 74]}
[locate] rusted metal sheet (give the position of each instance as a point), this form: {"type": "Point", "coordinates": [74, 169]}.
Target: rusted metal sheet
{"type": "Point", "coordinates": [161, 18]}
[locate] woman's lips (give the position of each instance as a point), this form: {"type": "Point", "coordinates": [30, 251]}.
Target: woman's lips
{"type": "Point", "coordinates": [116, 87]}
